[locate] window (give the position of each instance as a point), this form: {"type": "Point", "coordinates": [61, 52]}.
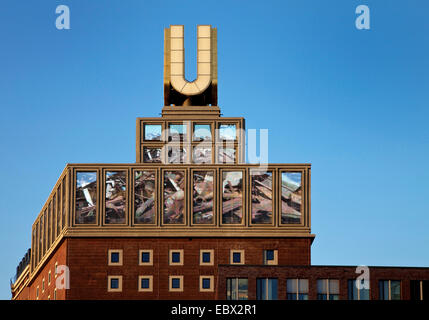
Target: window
{"type": "Point", "coordinates": [115, 197]}
{"type": "Point", "coordinates": [152, 154]}
{"type": "Point", "coordinates": [177, 155]}
{"type": "Point", "coordinates": [206, 283]}
{"type": "Point", "coordinates": [176, 257]}
{"type": "Point", "coordinates": [56, 269]}
{"type": "Point", "coordinates": [152, 132]}
{"type": "Point", "coordinates": [266, 289]}
{"type": "Point", "coordinates": [419, 289]}
{"type": "Point", "coordinates": [357, 291]}
{"type": "Point", "coordinates": [226, 155]}
{"type": "Point", "coordinates": [389, 289]}
{"type": "Point", "coordinates": [144, 197]}
{"type": "Point", "coordinates": [297, 289]}
{"type": "Point", "coordinates": [86, 197]}
{"type": "Point", "coordinates": [232, 197]}
{"type": "Point", "coordinates": [291, 197]}
{"type": "Point", "coordinates": [328, 289]}
{"type": "Point", "coordinates": [202, 132]}
{"type": "Point", "coordinates": [262, 197]}
{"type": "Point", "coordinates": [174, 197]}
{"type": "Point", "coordinates": [202, 154]}
{"type": "Point", "coordinates": [227, 132]}
{"type": "Point", "coordinates": [176, 283]}
{"type": "Point", "coordinates": [177, 132]}
{"type": "Point", "coordinates": [270, 257]}
{"type": "Point", "coordinates": [43, 285]}
{"type": "Point", "coordinates": [37, 292]}
{"type": "Point", "coordinates": [146, 257]}
{"type": "Point", "coordinates": [115, 257]}
{"type": "Point", "coordinates": [203, 199]}
{"type": "Point", "coordinates": [206, 257]}
{"type": "Point", "coordinates": [49, 277]}
{"type": "Point", "coordinates": [237, 257]}
{"type": "Point", "coordinates": [145, 283]}
{"type": "Point", "coordinates": [114, 283]}
{"type": "Point", "coordinates": [55, 294]}
{"type": "Point", "coordinates": [237, 289]}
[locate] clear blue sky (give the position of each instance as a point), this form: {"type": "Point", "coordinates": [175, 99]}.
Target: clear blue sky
{"type": "Point", "coordinates": [353, 103]}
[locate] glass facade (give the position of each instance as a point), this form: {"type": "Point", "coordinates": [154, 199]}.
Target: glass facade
{"type": "Point", "coordinates": [262, 197]}
{"type": "Point", "coordinates": [174, 197]}
{"type": "Point", "coordinates": [86, 198]}
{"type": "Point", "coordinates": [115, 197]}
{"type": "Point", "coordinates": [291, 197]}
{"type": "Point", "coordinates": [232, 197]}
{"type": "Point", "coordinates": [266, 289]}
{"type": "Point", "coordinates": [237, 289]}
{"type": "Point", "coordinates": [152, 155]}
{"type": "Point", "coordinates": [203, 197]}
{"type": "Point", "coordinates": [144, 197]}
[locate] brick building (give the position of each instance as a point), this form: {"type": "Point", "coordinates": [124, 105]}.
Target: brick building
{"type": "Point", "coordinates": [190, 219]}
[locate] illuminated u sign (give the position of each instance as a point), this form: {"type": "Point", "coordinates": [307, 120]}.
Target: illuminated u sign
{"type": "Point", "coordinates": [174, 62]}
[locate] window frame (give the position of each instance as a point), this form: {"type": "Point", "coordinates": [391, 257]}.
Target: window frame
{"type": "Point", "coordinates": [211, 288]}
{"type": "Point", "coordinates": [150, 278]}
{"type": "Point", "coordinates": [170, 257]}
{"type": "Point", "coordinates": [170, 283]}
{"type": "Point", "coordinates": [109, 257]}
{"type": "Point", "coordinates": [211, 252]}
{"type": "Point", "coordinates": [242, 256]}
{"type": "Point", "coordinates": [328, 291]}
{"type": "Point", "coordinates": [150, 263]}
{"type": "Point", "coordinates": [273, 262]}
{"type": "Point", "coordinates": [109, 288]}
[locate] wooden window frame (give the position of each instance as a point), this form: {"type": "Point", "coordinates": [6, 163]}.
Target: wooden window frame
{"type": "Point", "coordinates": [109, 257]}
{"type": "Point", "coordinates": [211, 251]}
{"type": "Point", "coordinates": [150, 263]}
{"type": "Point", "coordinates": [242, 256]}
{"type": "Point", "coordinates": [170, 283]}
{"type": "Point", "coordinates": [109, 288]}
{"type": "Point", "coordinates": [150, 289]}
{"type": "Point", "coordinates": [211, 288]}
{"type": "Point", "coordinates": [170, 257]}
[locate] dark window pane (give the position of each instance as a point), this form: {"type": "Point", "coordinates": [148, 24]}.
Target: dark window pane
{"type": "Point", "coordinates": [145, 283]}
{"type": "Point", "coordinates": [144, 197]}
{"type": "Point", "coordinates": [203, 197]}
{"type": "Point", "coordinates": [206, 283]}
{"type": "Point", "coordinates": [116, 197]}
{"type": "Point", "coordinates": [291, 197]}
{"type": "Point", "coordinates": [175, 283]}
{"type": "Point", "coordinates": [262, 198]}
{"type": "Point", "coordinates": [86, 197]}
{"type": "Point", "coordinates": [114, 257]}
{"type": "Point", "coordinates": [269, 255]}
{"type": "Point", "coordinates": [175, 257]}
{"type": "Point", "coordinates": [236, 257]}
{"type": "Point", "coordinates": [114, 283]}
{"type": "Point", "coordinates": [206, 257]}
{"type": "Point", "coordinates": [145, 258]}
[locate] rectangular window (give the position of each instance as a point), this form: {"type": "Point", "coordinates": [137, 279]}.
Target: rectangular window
{"type": "Point", "coordinates": [203, 197]}
{"type": "Point", "coordinates": [227, 132]}
{"type": "Point", "coordinates": [152, 132]}
{"type": "Point", "coordinates": [291, 197]}
{"type": "Point", "coordinates": [176, 257]}
{"type": "Point", "coordinates": [226, 155]}
{"type": "Point", "coordinates": [175, 283]}
{"type": "Point", "coordinates": [49, 277]}
{"type": "Point", "coordinates": [202, 154]}
{"type": "Point", "coordinates": [237, 289]}
{"type": "Point", "coordinates": [116, 197]}
{"type": "Point", "coordinates": [146, 257]}
{"type": "Point", "coordinates": [144, 197]}
{"type": "Point", "coordinates": [63, 204]}
{"type": "Point", "coordinates": [177, 132]}
{"type": "Point", "coordinates": [115, 257]}
{"type": "Point", "coordinates": [206, 283]}
{"type": "Point", "coordinates": [262, 197]}
{"type": "Point", "coordinates": [266, 289]}
{"type": "Point", "coordinates": [270, 257]}
{"type": "Point", "coordinates": [145, 283]}
{"type": "Point", "coordinates": [152, 155]}
{"type": "Point", "coordinates": [202, 132]}
{"type": "Point", "coordinates": [328, 289]}
{"type": "Point", "coordinates": [177, 155]}
{"type": "Point", "coordinates": [232, 197]}
{"type": "Point", "coordinates": [206, 257]}
{"type": "Point", "coordinates": [58, 219]}
{"type": "Point", "coordinates": [114, 283]}
{"type": "Point", "coordinates": [297, 289]}
{"type": "Point", "coordinates": [357, 290]}
{"type": "Point", "coordinates": [237, 257]}
{"type": "Point", "coordinates": [86, 198]}
{"type": "Point", "coordinates": [419, 289]}
{"type": "Point", "coordinates": [49, 215]}
{"type": "Point", "coordinates": [389, 290]}
{"type": "Point", "coordinates": [174, 197]}
{"type": "Point", "coordinates": [54, 218]}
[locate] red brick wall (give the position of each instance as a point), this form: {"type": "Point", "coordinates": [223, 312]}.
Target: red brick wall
{"type": "Point", "coordinates": [87, 260]}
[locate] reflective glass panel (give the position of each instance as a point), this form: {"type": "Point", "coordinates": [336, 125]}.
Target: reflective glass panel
{"type": "Point", "coordinates": [86, 197]}
{"type": "Point", "coordinates": [227, 132]}
{"type": "Point", "coordinates": [202, 197]}
{"type": "Point", "coordinates": [226, 155]}
{"type": "Point", "coordinates": [174, 197]}
{"type": "Point", "coordinates": [202, 154]}
{"type": "Point", "coordinates": [291, 197]}
{"type": "Point", "coordinates": [177, 132]}
{"type": "Point", "coordinates": [176, 155]}
{"type": "Point", "coordinates": [152, 132]}
{"type": "Point", "coordinates": [144, 197]}
{"type": "Point", "coordinates": [152, 155]}
{"type": "Point", "coordinates": [116, 196]}
{"type": "Point", "coordinates": [262, 198]}
{"type": "Point", "coordinates": [232, 197]}
{"type": "Point", "coordinates": [202, 132]}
